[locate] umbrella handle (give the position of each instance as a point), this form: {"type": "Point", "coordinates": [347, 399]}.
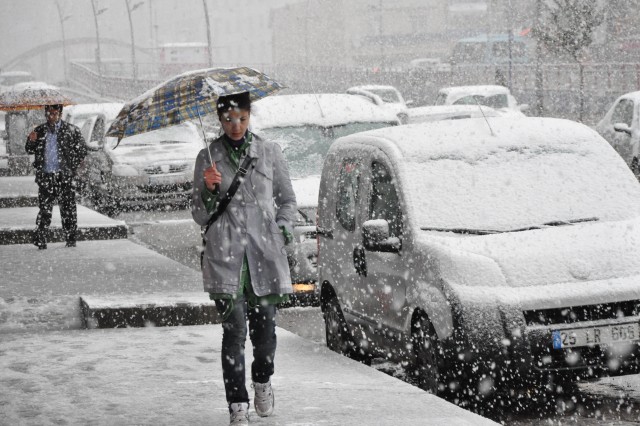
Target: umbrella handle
{"type": "Point", "coordinates": [204, 138]}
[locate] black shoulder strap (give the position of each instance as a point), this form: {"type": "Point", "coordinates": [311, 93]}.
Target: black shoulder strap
{"type": "Point", "coordinates": [224, 201]}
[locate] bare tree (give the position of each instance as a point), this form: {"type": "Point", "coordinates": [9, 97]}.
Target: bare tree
{"type": "Point", "coordinates": [568, 26]}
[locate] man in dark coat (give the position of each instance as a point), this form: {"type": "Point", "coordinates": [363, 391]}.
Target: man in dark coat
{"type": "Point", "coordinates": [59, 150]}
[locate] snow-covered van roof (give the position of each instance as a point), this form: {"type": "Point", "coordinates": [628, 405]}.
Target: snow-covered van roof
{"type": "Point", "coordinates": [632, 95]}
{"type": "Point", "coordinates": [324, 109]}
{"type": "Point", "coordinates": [461, 173]}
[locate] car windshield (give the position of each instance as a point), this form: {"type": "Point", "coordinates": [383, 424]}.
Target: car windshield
{"type": "Point", "coordinates": [306, 146]}
{"type": "Point", "coordinates": [508, 190]}
{"type": "Point", "coordinates": [388, 96]}
{"type": "Point", "coordinates": [495, 101]}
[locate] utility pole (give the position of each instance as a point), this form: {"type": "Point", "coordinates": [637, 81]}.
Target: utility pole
{"type": "Point", "coordinates": [64, 40]}
{"type": "Point", "coordinates": [134, 64]}
{"type": "Point", "coordinates": [98, 58]}
{"type": "Point", "coordinates": [206, 17]}
{"type": "Point", "coordinates": [538, 80]}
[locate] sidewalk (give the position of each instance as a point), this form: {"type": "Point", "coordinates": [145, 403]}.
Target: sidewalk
{"type": "Point", "coordinates": [172, 376]}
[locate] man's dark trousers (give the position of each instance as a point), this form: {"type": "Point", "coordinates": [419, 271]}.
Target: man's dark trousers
{"type": "Point", "coordinates": [52, 186]}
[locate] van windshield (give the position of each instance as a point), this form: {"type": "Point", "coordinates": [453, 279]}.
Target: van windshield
{"type": "Point", "coordinates": [306, 146]}
{"type": "Point", "coordinates": [508, 190]}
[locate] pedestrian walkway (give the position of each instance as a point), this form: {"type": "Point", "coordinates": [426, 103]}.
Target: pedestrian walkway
{"type": "Point", "coordinates": [18, 191]}
{"type": "Point", "coordinates": [172, 376]}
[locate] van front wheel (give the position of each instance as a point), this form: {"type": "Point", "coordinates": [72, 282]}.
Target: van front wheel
{"type": "Point", "coordinates": [428, 360]}
{"type": "Point", "coordinates": [336, 328]}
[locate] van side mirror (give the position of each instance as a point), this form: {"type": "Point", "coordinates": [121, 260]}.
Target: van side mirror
{"type": "Point", "coordinates": [622, 127]}
{"type": "Point", "coordinates": [375, 235]}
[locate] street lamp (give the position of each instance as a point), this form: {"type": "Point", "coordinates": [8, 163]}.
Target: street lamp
{"type": "Point", "coordinates": [98, 59]}
{"type": "Point", "coordinates": [130, 9]}
{"type": "Point", "coordinates": [206, 17]}
{"type": "Point", "coordinates": [64, 39]}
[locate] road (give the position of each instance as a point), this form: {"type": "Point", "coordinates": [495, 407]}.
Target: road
{"type": "Point", "coordinates": [610, 401]}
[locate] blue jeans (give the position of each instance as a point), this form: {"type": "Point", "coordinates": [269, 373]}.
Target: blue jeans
{"type": "Point", "coordinates": [262, 332]}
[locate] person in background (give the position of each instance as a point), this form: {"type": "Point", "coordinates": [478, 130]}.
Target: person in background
{"type": "Point", "coordinates": [244, 265]}
{"type": "Point", "coordinates": [59, 149]}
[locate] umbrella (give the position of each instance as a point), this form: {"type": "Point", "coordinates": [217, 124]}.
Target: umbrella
{"type": "Point", "coordinates": [31, 95]}
{"type": "Point", "coordinates": [188, 96]}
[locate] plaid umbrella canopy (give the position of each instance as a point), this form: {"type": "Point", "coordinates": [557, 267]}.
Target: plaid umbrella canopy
{"type": "Point", "coordinates": [188, 96]}
{"type": "Point", "coordinates": [31, 95]}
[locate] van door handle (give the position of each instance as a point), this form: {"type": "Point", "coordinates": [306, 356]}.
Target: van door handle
{"type": "Point", "coordinates": [359, 261]}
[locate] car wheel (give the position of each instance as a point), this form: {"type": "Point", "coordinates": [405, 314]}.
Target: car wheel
{"type": "Point", "coordinates": [404, 118]}
{"type": "Point", "coordinates": [338, 337]}
{"type": "Point", "coordinates": [428, 359]}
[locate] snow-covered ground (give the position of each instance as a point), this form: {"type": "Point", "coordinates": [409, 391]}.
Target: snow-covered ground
{"type": "Point", "coordinates": [172, 375]}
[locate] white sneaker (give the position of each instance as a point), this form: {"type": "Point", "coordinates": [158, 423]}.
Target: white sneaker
{"type": "Point", "coordinates": [263, 400]}
{"type": "Point", "coordinates": [239, 413]}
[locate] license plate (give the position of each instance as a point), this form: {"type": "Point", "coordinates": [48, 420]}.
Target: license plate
{"type": "Point", "coordinates": [164, 180]}
{"type": "Point", "coordinates": [605, 335]}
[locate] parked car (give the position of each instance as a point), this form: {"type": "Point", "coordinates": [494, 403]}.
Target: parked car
{"type": "Point", "coordinates": [78, 114]}
{"type": "Point", "coordinates": [150, 169]}
{"type": "Point", "coordinates": [10, 78]}
{"type": "Point", "coordinates": [387, 97]}
{"type": "Point", "coordinates": [448, 112]}
{"type": "Point", "coordinates": [621, 128]}
{"type": "Point", "coordinates": [494, 96]}
{"type": "Point", "coordinates": [303, 253]}
{"type": "Point", "coordinates": [305, 125]}
{"type": "Point", "coordinates": [482, 257]}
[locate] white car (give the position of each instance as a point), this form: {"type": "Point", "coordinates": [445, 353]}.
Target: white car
{"type": "Point", "coordinates": [78, 114]}
{"type": "Point", "coordinates": [149, 169]}
{"type": "Point", "coordinates": [305, 125]}
{"type": "Point", "coordinates": [494, 96]}
{"type": "Point", "coordinates": [303, 253]}
{"type": "Point", "coordinates": [483, 257]}
{"type": "Point", "coordinates": [387, 97]}
{"type": "Point", "coordinates": [621, 128]}
{"type": "Point", "coordinates": [449, 112]}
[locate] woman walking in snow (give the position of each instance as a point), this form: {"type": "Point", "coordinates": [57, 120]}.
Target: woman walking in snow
{"type": "Point", "coordinates": [244, 265]}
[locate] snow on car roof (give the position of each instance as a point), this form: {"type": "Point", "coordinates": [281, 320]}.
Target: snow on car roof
{"type": "Point", "coordinates": [372, 87]}
{"type": "Point", "coordinates": [471, 139]}
{"type": "Point", "coordinates": [519, 173]}
{"type": "Point", "coordinates": [443, 112]}
{"type": "Point", "coordinates": [109, 109]}
{"type": "Point", "coordinates": [484, 90]}
{"type": "Point", "coordinates": [306, 190]}
{"type": "Point", "coordinates": [324, 109]}
{"type": "Point", "coordinates": [632, 95]}
{"type": "Point", "coordinates": [33, 85]}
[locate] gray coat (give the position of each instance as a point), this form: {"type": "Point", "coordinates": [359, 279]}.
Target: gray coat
{"type": "Point", "coordinates": [250, 224]}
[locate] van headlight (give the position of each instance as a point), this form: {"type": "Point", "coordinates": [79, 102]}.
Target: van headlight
{"type": "Point", "coordinates": [124, 170]}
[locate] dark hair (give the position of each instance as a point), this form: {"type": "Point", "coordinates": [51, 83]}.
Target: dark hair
{"type": "Point", "coordinates": [58, 107]}
{"type": "Point", "coordinates": [237, 100]}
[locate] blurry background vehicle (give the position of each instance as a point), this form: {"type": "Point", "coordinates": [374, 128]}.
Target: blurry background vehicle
{"type": "Point", "coordinates": [9, 78]}
{"type": "Point", "coordinates": [146, 170]}
{"type": "Point", "coordinates": [78, 114]}
{"type": "Point", "coordinates": [494, 96]}
{"type": "Point", "coordinates": [303, 253]}
{"type": "Point", "coordinates": [449, 112]}
{"type": "Point", "coordinates": [429, 65]}
{"type": "Point", "coordinates": [490, 49]}
{"type": "Point", "coordinates": [621, 128]}
{"type": "Point", "coordinates": [305, 125]}
{"type": "Point", "coordinates": [384, 96]}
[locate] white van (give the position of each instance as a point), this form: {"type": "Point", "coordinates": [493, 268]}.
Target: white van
{"type": "Point", "coordinates": [480, 251]}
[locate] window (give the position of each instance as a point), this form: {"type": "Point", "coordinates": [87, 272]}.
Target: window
{"type": "Point", "coordinates": [384, 199]}
{"type": "Point", "coordinates": [623, 113]}
{"type": "Point", "coordinates": [348, 184]}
